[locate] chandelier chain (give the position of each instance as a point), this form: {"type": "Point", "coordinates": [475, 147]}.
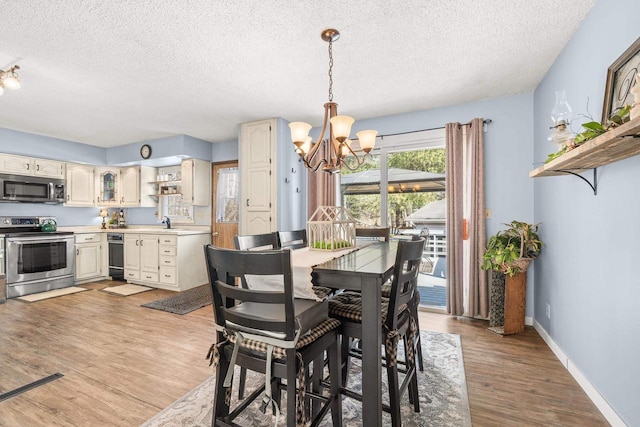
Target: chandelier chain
{"type": "Point", "coordinates": [330, 70]}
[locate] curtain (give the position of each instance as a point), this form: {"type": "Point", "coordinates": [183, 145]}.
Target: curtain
{"type": "Point", "coordinates": [453, 193]}
{"type": "Point", "coordinates": [466, 235]}
{"type": "Point", "coordinates": [322, 185]}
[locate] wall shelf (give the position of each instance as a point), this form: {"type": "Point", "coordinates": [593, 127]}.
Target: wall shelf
{"type": "Point", "coordinates": [617, 144]}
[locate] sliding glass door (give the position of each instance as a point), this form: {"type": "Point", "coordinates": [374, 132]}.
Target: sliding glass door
{"type": "Point", "coordinates": [402, 186]}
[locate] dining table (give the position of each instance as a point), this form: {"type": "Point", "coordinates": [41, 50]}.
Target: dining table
{"type": "Point", "coordinates": [364, 270]}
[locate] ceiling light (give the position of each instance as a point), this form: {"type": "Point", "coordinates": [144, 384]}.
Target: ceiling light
{"type": "Point", "coordinates": [9, 79]}
{"type": "Point", "coordinates": [339, 128]}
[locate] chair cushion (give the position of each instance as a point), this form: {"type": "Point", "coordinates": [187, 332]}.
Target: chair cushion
{"type": "Point", "coordinates": [308, 314]}
{"type": "Point", "coordinates": [348, 305]}
{"type": "Point", "coordinates": [385, 291]}
{"type": "Point", "coordinates": [322, 292]}
{"type": "Point", "coordinates": [313, 334]}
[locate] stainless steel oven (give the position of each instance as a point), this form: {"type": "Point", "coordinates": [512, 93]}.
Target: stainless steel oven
{"type": "Point", "coordinates": [36, 261]}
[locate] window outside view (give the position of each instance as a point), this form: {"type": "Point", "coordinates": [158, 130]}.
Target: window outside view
{"type": "Point", "coordinates": [414, 190]}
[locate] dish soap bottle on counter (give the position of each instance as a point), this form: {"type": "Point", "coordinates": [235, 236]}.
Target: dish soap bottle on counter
{"type": "Point", "coordinates": [122, 223]}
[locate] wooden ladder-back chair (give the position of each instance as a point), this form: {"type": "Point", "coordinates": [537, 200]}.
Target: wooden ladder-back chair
{"type": "Point", "coordinates": [376, 233]}
{"type": "Point", "coordinates": [271, 333]}
{"type": "Point", "coordinates": [295, 239]}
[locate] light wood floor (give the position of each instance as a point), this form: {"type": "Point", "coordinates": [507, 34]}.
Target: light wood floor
{"type": "Point", "coordinates": [123, 363]}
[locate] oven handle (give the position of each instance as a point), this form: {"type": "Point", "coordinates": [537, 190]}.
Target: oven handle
{"type": "Point", "coordinates": [38, 239]}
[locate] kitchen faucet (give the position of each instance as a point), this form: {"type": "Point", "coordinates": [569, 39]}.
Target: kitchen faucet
{"type": "Point", "coordinates": [167, 221]}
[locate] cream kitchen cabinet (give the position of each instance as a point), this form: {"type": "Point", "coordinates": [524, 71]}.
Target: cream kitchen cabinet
{"type": "Point", "coordinates": [91, 256]}
{"type": "Point", "coordinates": [141, 257]}
{"type": "Point", "coordinates": [196, 182]}
{"type": "Point", "coordinates": [20, 165]}
{"type": "Point", "coordinates": [124, 187]}
{"type": "Point", "coordinates": [80, 185]}
{"type": "Point", "coordinates": [167, 261]}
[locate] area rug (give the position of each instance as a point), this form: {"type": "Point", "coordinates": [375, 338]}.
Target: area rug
{"type": "Point", "coordinates": [443, 381]}
{"type": "Point", "coordinates": [126, 290]}
{"type": "Point", "coordinates": [51, 294]}
{"type": "Point", "coordinates": [184, 302]}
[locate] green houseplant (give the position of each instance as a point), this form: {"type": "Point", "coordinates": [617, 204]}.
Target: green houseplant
{"type": "Point", "coordinates": [512, 250]}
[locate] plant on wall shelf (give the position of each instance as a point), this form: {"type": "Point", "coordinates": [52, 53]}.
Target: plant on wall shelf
{"type": "Point", "coordinates": [593, 129]}
{"type": "Point", "coordinates": [512, 250]}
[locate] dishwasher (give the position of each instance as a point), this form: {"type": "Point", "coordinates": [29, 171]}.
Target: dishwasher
{"type": "Point", "coordinates": [116, 255]}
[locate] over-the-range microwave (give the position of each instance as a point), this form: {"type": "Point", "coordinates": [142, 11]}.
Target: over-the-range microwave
{"type": "Point", "coordinates": [31, 189]}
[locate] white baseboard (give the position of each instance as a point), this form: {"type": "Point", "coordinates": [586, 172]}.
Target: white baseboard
{"type": "Point", "coordinates": [528, 321]}
{"type": "Point", "coordinates": [607, 411]}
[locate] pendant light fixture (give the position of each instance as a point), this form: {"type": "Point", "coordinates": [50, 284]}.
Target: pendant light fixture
{"type": "Point", "coordinates": [337, 128]}
{"type": "Point", "coordinates": [9, 79]}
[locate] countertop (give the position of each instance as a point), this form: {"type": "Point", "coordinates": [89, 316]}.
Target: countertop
{"type": "Point", "coordinates": [140, 229]}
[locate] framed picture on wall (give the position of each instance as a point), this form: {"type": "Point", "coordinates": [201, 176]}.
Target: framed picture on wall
{"type": "Point", "coordinates": [621, 76]}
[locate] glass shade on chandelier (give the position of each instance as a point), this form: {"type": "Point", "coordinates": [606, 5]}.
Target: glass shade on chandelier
{"type": "Point", "coordinates": [337, 127]}
{"type": "Point", "coordinates": [9, 79]}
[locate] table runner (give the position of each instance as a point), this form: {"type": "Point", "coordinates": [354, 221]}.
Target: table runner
{"type": "Point", "coordinates": [302, 262]}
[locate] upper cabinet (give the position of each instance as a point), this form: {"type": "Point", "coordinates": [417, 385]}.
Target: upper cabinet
{"type": "Point", "coordinates": [20, 165]}
{"type": "Point", "coordinates": [107, 186]}
{"type": "Point", "coordinates": [80, 185]}
{"type": "Point", "coordinates": [196, 182]}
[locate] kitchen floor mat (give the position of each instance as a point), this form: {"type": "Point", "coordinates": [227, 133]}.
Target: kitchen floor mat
{"type": "Point", "coordinates": [126, 290]}
{"type": "Point", "coordinates": [51, 294]}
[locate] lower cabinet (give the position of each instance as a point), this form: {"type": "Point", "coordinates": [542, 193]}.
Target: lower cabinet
{"type": "Point", "coordinates": [91, 256]}
{"type": "Point", "coordinates": [167, 261]}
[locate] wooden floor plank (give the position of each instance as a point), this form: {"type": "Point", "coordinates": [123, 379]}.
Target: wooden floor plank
{"type": "Point", "coordinates": [123, 363]}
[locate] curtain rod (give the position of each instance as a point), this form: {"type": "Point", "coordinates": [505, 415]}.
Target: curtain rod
{"type": "Point", "coordinates": [485, 121]}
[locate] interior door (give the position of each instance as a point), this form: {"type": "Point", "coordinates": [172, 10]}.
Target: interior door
{"type": "Point", "coordinates": [225, 203]}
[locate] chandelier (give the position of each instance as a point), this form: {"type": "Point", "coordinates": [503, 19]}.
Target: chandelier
{"type": "Point", "coordinates": [339, 128]}
{"type": "Point", "coordinates": [9, 79]}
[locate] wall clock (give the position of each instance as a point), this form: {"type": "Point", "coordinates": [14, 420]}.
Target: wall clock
{"type": "Point", "coordinates": [145, 151]}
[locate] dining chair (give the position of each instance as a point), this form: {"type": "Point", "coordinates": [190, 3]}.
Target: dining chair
{"type": "Point", "coordinates": [271, 333]}
{"type": "Point", "coordinates": [397, 322]}
{"type": "Point", "coordinates": [378, 233]}
{"type": "Point", "coordinates": [295, 239]}
{"type": "Point", "coordinates": [413, 306]}
{"type": "Point", "coordinates": [256, 241]}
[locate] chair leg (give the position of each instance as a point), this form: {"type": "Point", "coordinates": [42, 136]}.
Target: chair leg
{"type": "Point", "coordinates": [418, 342]}
{"type": "Point", "coordinates": [345, 359]}
{"type": "Point", "coordinates": [242, 382]}
{"type": "Point", "coordinates": [291, 387]}
{"type": "Point", "coordinates": [335, 372]}
{"type": "Point", "coordinates": [394, 386]}
{"type": "Point", "coordinates": [316, 379]}
{"type": "Point", "coordinates": [220, 407]}
{"type": "Point", "coordinates": [276, 393]}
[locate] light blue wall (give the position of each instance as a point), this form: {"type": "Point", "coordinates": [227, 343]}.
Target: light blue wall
{"type": "Point", "coordinates": [224, 151]}
{"type": "Point", "coordinates": [586, 270]}
{"type": "Point", "coordinates": [292, 182]}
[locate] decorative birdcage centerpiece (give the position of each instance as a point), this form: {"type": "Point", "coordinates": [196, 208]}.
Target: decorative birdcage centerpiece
{"type": "Point", "coordinates": [331, 228]}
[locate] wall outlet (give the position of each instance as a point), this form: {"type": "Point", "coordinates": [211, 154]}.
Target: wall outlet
{"type": "Point", "coordinates": [487, 214]}
{"type": "Point", "coordinates": [548, 311]}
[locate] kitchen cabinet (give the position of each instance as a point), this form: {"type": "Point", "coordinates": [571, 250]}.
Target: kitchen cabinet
{"type": "Point", "coordinates": [91, 256]}
{"type": "Point", "coordinates": [20, 165]}
{"type": "Point", "coordinates": [196, 182]}
{"type": "Point", "coordinates": [125, 187]}
{"type": "Point", "coordinates": [257, 163]}
{"type": "Point", "coordinates": [141, 257]}
{"type": "Point", "coordinates": [173, 262]}
{"type": "Point", "coordinates": [107, 186]}
{"type": "Point", "coordinates": [80, 185]}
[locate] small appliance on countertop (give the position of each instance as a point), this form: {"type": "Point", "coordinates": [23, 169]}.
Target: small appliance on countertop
{"type": "Point", "coordinates": [47, 258]}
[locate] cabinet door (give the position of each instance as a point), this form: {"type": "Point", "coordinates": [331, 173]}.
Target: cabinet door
{"type": "Point", "coordinates": [132, 256]}
{"type": "Point", "coordinates": [80, 185]}
{"type": "Point", "coordinates": [15, 165]}
{"type": "Point", "coordinates": [107, 190]}
{"type": "Point", "coordinates": [149, 249]}
{"type": "Point", "coordinates": [196, 182]}
{"type": "Point", "coordinates": [130, 186]}
{"type": "Point", "coordinates": [257, 150]}
{"type": "Point", "coordinates": [49, 168]}
{"type": "Point", "coordinates": [88, 261]}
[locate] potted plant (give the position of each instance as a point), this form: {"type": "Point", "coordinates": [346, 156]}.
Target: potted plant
{"type": "Point", "coordinates": [508, 255]}
{"type": "Point", "coordinates": [512, 250]}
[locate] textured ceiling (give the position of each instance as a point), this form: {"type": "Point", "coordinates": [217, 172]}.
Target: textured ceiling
{"type": "Point", "coordinates": [109, 73]}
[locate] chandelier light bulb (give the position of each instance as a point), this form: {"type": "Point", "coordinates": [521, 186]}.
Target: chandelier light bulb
{"type": "Point", "coordinates": [299, 131]}
{"type": "Point", "coordinates": [1, 89]}
{"type": "Point", "coordinates": [11, 82]}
